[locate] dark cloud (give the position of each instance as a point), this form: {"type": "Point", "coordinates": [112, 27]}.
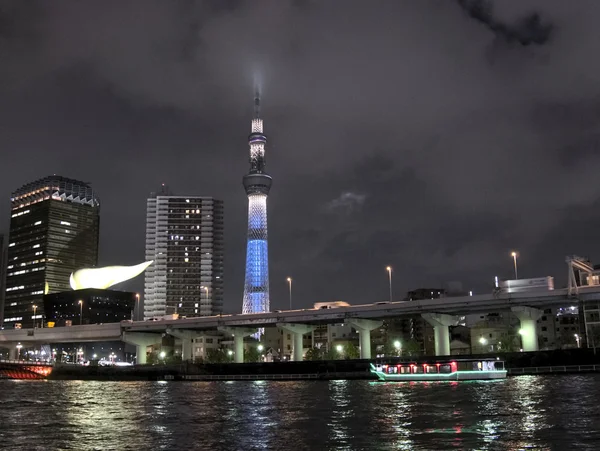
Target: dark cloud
{"type": "Point", "coordinates": [528, 29]}
{"type": "Point", "coordinates": [432, 156]}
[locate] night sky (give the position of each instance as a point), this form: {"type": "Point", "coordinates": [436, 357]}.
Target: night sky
{"type": "Point", "coordinates": [432, 136]}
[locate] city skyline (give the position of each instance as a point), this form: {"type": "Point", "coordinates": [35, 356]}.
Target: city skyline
{"type": "Point", "coordinates": [422, 163]}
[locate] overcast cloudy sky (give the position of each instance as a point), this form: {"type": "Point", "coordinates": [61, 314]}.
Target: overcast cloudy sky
{"type": "Point", "coordinates": [432, 136]}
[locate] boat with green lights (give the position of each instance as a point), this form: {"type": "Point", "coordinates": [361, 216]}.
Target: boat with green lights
{"type": "Point", "coordinates": [439, 370]}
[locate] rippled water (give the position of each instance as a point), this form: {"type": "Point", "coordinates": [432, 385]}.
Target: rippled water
{"type": "Point", "coordinates": [527, 412]}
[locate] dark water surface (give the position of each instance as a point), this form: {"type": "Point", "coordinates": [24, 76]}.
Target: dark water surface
{"type": "Point", "coordinates": [526, 412]}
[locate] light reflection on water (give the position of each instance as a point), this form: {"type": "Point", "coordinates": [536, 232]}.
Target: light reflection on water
{"type": "Point", "coordinates": [540, 412]}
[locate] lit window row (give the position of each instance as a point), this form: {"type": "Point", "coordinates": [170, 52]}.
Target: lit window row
{"type": "Point", "coordinates": [31, 193]}
{"type": "Point", "coordinates": [18, 273]}
{"type": "Point", "coordinates": [16, 318]}
{"type": "Point", "coordinates": [21, 213]}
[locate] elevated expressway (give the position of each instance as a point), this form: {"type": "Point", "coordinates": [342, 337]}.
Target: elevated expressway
{"type": "Point", "coordinates": [440, 313]}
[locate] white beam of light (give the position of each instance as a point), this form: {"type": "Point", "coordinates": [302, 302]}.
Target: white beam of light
{"type": "Point", "coordinates": [108, 276]}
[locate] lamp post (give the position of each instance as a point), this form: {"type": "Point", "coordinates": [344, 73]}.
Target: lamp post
{"type": "Point", "coordinates": [80, 312]}
{"type": "Point", "coordinates": [34, 315]}
{"type": "Point", "coordinates": [389, 270]}
{"type": "Point", "coordinates": [137, 306]}
{"type": "Point", "coordinates": [514, 255]}
{"type": "Point", "coordinates": [205, 288]}
{"type": "Point", "coordinates": [289, 281]}
{"type": "Point", "coordinates": [398, 347]}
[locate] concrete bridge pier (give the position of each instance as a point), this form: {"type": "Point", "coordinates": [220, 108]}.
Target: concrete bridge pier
{"type": "Point", "coordinates": [186, 337]}
{"type": "Point", "coordinates": [364, 328]}
{"type": "Point", "coordinates": [12, 351]}
{"type": "Point", "coordinates": [141, 340]}
{"type": "Point", "coordinates": [238, 340]}
{"type": "Point", "coordinates": [528, 317]}
{"type": "Point", "coordinates": [441, 333]}
{"type": "Point", "coordinates": [298, 331]}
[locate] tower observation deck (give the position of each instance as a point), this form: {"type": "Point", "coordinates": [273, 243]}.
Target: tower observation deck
{"type": "Point", "coordinates": [257, 184]}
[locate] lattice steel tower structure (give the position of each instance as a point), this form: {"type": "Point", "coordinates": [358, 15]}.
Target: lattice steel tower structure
{"type": "Point", "coordinates": [257, 184]}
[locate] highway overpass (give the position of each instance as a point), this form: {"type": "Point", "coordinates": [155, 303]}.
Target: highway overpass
{"type": "Point", "coordinates": [439, 312]}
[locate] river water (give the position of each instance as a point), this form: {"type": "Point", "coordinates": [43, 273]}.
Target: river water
{"type": "Point", "coordinates": [526, 412]}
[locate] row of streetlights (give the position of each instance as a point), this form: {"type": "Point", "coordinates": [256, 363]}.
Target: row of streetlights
{"type": "Point", "coordinates": [513, 254]}
{"type": "Point", "coordinates": [388, 269]}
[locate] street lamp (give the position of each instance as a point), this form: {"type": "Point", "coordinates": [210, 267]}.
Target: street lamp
{"type": "Point", "coordinates": [137, 306]}
{"type": "Point", "coordinates": [34, 315]}
{"type": "Point", "coordinates": [339, 348]}
{"type": "Point", "coordinates": [80, 312]}
{"type": "Point", "coordinates": [398, 347]}
{"type": "Point", "coordinates": [483, 341]}
{"type": "Point", "coordinates": [514, 255]}
{"type": "Point", "coordinates": [289, 281]}
{"type": "Point", "coordinates": [260, 348]}
{"type": "Point", "coordinates": [202, 287]}
{"type": "Point", "coordinates": [389, 270]}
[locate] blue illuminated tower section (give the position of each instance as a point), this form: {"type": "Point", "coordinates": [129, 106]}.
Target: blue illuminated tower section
{"type": "Point", "coordinates": [257, 184]}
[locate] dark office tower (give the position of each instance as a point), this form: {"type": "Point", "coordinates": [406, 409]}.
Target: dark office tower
{"type": "Point", "coordinates": [184, 238]}
{"type": "Point", "coordinates": [53, 231]}
{"type": "Point", "coordinates": [3, 258]}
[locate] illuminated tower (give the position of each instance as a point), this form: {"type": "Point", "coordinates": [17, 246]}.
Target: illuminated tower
{"type": "Point", "coordinates": [257, 185]}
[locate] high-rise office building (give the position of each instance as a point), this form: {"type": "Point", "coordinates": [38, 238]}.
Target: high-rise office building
{"type": "Point", "coordinates": [3, 258]}
{"type": "Point", "coordinates": [184, 237]}
{"type": "Point", "coordinates": [54, 230]}
{"type": "Point", "coordinates": [257, 184]}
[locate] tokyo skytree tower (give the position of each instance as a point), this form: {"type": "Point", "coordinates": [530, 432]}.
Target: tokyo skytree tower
{"type": "Point", "coordinates": [257, 184]}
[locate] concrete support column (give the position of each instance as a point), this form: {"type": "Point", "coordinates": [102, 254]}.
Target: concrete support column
{"type": "Point", "coordinates": [12, 353]}
{"type": "Point", "coordinates": [238, 340]}
{"type": "Point", "coordinates": [364, 328]}
{"type": "Point", "coordinates": [528, 317]}
{"type": "Point", "coordinates": [441, 333]}
{"type": "Point", "coordinates": [298, 331]}
{"type": "Point", "coordinates": [186, 337]}
{"type": "Point", "coordinates": [141, 340]}
{"type": "Point", "coordinates": [238, 348]}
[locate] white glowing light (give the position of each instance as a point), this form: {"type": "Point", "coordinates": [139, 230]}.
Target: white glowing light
{"type": "Point", "coordinates": [103, 278]}
{"type": "Point", "coordinates": [257, 150]}
{"type": "Point", "coordinates": [257, 126]}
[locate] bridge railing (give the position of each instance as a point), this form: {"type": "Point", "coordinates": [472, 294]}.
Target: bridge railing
{"type": "Point", "coordinates": [554, 369]}
{"type": "Point", "coordinates": [26, 362]}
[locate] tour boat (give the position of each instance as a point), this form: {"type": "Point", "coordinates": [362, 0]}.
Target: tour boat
{"type": "Point", "coordinates": [447, 370]}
